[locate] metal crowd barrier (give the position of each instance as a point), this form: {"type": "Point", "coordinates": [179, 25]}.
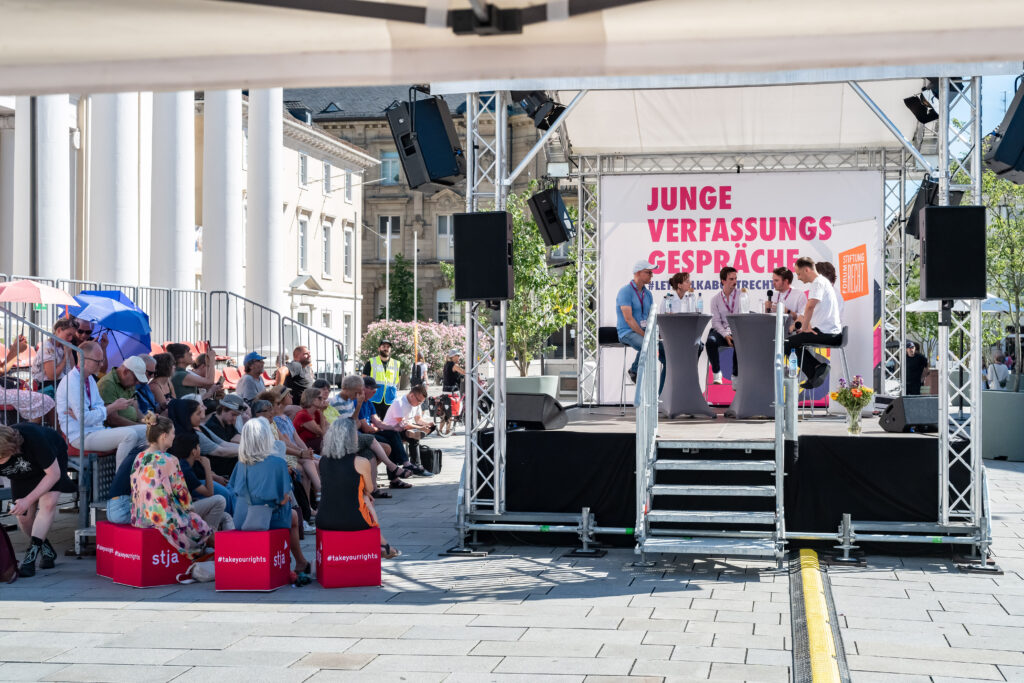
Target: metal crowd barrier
{"type": "Point", "coordinates": [327, 354]}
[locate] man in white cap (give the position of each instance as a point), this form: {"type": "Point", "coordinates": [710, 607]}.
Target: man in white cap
{"type": "Point", "coordinates": [633, 305]}
{"type": "Point", "coordinates": [121, 383]}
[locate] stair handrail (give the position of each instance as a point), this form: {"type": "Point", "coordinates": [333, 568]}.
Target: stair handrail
{"type": "Point", "coordinates": [781, 317]}
{"type": "Point", "coordinates": [322, 342]}
{"type": "Point", "coordinates": [648, 377]}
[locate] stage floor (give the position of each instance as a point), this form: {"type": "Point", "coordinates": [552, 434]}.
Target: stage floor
{"type": "Point", "coordinates": [607, 420]}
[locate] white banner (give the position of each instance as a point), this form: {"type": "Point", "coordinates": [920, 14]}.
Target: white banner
{"type": "Point", "coordinates": [754, 222]}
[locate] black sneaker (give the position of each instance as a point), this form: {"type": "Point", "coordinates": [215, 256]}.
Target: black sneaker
{"type": "Point", "coordinates": [27, 567]}
{"type": "Point", "coordinates": [49, 556]}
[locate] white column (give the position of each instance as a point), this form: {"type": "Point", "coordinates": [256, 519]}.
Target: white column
{"type": "Point", "coordinates": [7, 176]}
{"type": "Point", "coordinates": [265, 276]}
{"type": "Point", "coordinates": [172, 236]}
{"type": "Point", "coordinates": [222, 192]}
{"type": "Point", "coordinates": [53, 188]}
{"type": "Point", "coordinates": [114, 189]}
{"type": "Point", "coordinates": [19, 261]}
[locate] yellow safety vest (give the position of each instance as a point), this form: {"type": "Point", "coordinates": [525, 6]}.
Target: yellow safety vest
{"type": "Point", "coordinates": [387, 380]}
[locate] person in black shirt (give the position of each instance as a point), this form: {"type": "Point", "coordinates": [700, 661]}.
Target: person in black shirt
{"type": "Point", "coordinates": [35, 459]}
{"type": "Point", "coordinates": [299, 374]}
{"type": "Point", "coordinates": [207, 504]}
{"type": "Point", "coordinates": [222, 425]}
{"type": "Point", "coordinates": [917, 364]}
{"type": "Point", "coordinates": [453, 374]}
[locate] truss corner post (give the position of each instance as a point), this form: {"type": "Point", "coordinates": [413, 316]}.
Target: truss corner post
{"type": "Point", "coordinates": [587, 291]}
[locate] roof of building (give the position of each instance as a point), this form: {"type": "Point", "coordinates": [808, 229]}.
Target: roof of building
{"type": "Point", "coordinates": [340, 104]}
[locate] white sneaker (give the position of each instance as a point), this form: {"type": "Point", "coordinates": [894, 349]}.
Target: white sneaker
{"type": "Point", "coordinates": [717, 378]}
{"type": "Point", "coordinates": [308, 528]}
{"type": "Point", "coordinates": [735, 382]}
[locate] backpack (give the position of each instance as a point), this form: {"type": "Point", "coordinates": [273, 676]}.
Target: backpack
{"type": "Point", "coordinates": [8, 560]}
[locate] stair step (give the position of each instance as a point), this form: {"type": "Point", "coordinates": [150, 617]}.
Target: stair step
{"type": "Point", "coordinates": [712, 547]}
{"type": "Point", "coordinates": [711, 516]}
{"type": "Point", "coordinates": [711, 490]}
{"type": "Point", "coordinates": [731, 465]}
{"type": "Point", "coordinates": [719, 445]}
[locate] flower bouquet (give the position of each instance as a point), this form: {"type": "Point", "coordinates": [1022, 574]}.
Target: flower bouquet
{"type": "Point", "coordinates": [853, 396]}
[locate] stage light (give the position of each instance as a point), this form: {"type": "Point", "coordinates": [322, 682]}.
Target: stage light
{"type": "Point", "coordinates": [921, 108]}
{"type": "Point", "coordinates": [538, 106]}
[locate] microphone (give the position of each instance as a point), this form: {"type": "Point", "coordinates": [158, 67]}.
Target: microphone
{"type": "Point", "coordinates": [770, 291]}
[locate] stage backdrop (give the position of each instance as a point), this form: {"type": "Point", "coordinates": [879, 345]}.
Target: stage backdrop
{"type": "Point", "coordinates": [753, 222]}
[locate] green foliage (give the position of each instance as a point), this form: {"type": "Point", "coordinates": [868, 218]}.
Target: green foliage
{"type": "Point", "coordinates": [401, 291]}
{"type": "Point", "coordinates": [435, 341]}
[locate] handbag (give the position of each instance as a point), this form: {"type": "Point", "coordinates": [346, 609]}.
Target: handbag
{"type": "Point", "coordinates": [258, 516]}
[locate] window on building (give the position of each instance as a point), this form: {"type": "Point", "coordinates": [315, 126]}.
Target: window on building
{"type": "Point", "coordinates": [328, 228]}
{"type": "Point", "coordinates": [303, 170]}
{"type": "Point", "coordinates": [448, 311]}
{"type": "Point", "coordinates": [347, 334]}
{"type": "Point", "coordinates": [348, 186]}
{"type": "Point", "coordinates": [303, 244]}
{"type": "Point", "coordinates": [382, 299]}
{"type": "Point", "coordinates": [349, 252]}
{"type": "Point", "coordinates": [302, 317]}
{"type": "Point", "coordinates": [328, 188]}
{"type": "Point", "coordinates": [390, 168]}
{"type": "Point", "coordinates": [445, 242]}
{"type": "Point", "coordinates": [561, 252]}
{"type": "Point", "coordinates": [396, 232]}
{"type": "Point", "coordinates": [325, 320]}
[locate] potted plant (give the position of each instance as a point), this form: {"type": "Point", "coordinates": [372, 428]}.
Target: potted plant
{"type": "Point", "coordinates": [853, 396]}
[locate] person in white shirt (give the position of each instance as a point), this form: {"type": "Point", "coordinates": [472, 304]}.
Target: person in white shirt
{"type": "Point", "coordinates": [675, 300]}
{"type": "Point", "coordinates": [998, 374]}
{"type": "Point", "coordinates": [819, 324]}
{"type": "Point", "coordinates": [829, 271]}
{"type": "Point", "coordinates": [406, 414]}
{"type": "Point", "coordinates": [77, 419]}
{"type": "Point", "coordinates": [794, 301]}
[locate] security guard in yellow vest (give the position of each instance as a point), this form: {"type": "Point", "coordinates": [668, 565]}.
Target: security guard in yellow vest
{"type": "Point", "coordinates": [384, 369]}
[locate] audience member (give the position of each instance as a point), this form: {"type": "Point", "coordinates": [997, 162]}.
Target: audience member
{"type": "Point", "coordinates": [281, 397]}
{"type": "Point", "coordinates": [452, 374]}
{"type": "Point", "coordinates": [329, 411]}
{"type": "Point", "coordinates": [185, 382]}
{"type": "Point", "coordinates": [10, 362]}
{"type": "Point", "coordinates": [419, 371]}
{"type": "Point", "coordinates": [390, 437]}
{"type": "Point", "coordinates": [160, 498]}
{"type": "Point", "coordinates": [78, 419]}
{"type": "Point", "coordinates": [143, 392]}
{"type": "Point", "coordinates": [35, 459]}
{"type": "Point", "coordinates": [190, 461]}
{"type": "Point", "coordinates": [353, 402]}
{"type": "Point", "coordinates": [407, 414]}
{"type": "Point", "coordinates": [121, 382]}
{"type": "Point", "coordinates": [251, 384]}
{"type": "Point", "coordinates": [264, 489]}
{"type": "Point", "coordinates": [385, 371]}
{"type": "Point", "coordinates": [998, 374]}
{"type": "Point", "coordinates": [223, 423]}
{"type": "Point", "coordinates": [297, 375]}
{"type": "Point", "coordinates": [53, 362]}
{"type": "Point", "coordinates": [83, 333]}
{"type": "Point", "coordinates": [309, 421]}
{"type": "Point", "coordinates": [347, 504]}
{"type": "Point", "coordinates": [187, 415]}
{"type": "Point", "coordinates": [160, 385]}
{"type": "Point", "coordinates": [206, 502]}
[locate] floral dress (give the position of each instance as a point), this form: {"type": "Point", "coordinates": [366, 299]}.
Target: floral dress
{"type": "Point", "coordinates": [160, 500]}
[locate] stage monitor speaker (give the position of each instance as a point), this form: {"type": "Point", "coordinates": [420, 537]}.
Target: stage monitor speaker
{"type": "Point", "coordinates": [552, 217]}
{"type": "Point", "coordinates": [431, 155]}
{"type": "Point", "coordinates": [534, 411]}
{"type": "Point", "coordinates": [928, 195]}
{"type": "Point", "coordinates": [1005, 155]}
{"type": "Point", "coordinates": [483, 256]}
{"type": "Point", "coordinates": [911, 414]}
{"type": "Point", "coordinates": [953, 253]}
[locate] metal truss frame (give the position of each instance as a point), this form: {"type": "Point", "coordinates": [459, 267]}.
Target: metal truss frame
{"type": "Point", "coordinates": [483, 483]}
{"type": "Point", "coordinates": [588, 293]}
{"type": "Point", "coordinates": [894, 286]}
{"type": "Point", "coordinates": [716, 162]}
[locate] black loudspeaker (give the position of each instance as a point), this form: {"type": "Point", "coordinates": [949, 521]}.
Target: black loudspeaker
{"type": "Point", "coordinates": [928, 195]}
{"type": "Point", "coordinates": [483, 256]}
{"type": "Point", "coordinates": [431, 154]}
{"type": "Point", "coordinates": [552, 217]}
{"type": "Point", "coordinates": [1005, 156]}
{"type": "Point", "coordinates": [911, 414]}
{"type": "Point", "coordinates": [534, 411]}
{"type": "Point", "coordinates": [953, 253]}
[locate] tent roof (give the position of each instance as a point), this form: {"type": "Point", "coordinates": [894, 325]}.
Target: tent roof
{"type": "Point", "coordinates": [805, 117]}
{"type": "Point", "coordinates": [110, 45]}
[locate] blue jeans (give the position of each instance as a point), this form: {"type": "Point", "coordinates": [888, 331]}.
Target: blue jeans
{"type": "Point", "coordinates": [634, 340]}
{"type": "Point", "coordinates": [229, 497]}
{"type": "Point", "coordinates": [119, 510]}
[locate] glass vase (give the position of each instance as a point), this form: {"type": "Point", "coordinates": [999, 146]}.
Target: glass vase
{"type": "Point", "coordinates": [853, 422]}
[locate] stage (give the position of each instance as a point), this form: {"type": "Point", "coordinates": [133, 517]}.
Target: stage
{"type": "Point", "coordinates": [877, 476]}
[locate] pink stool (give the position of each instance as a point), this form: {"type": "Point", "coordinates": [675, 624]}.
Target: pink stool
{"type": "Point", "coordinates": [252, 560]}
{"type": "Point", "coordinates": [136, 557]}
{"type": "Point", "coordinates": [346, 559]}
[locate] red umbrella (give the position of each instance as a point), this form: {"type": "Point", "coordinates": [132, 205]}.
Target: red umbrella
{"type": "Point", "coordinates": [32, 292]}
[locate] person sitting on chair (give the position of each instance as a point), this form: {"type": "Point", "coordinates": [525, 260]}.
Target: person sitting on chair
{"type": "Point", "coordinates": [633, 305]}
{"type": "Point", "coordinates": [794, 301]}
{"type": "Point", "coordinates": [54, 360]}
{"type": "Point", "coordinates": [818, 325]}
{"type": "Point", "coordinates": [675, 300]}
{"type": "Point", "coordinates": [723, 304]}
{"type": "Point", "coordinates": [406, 414]}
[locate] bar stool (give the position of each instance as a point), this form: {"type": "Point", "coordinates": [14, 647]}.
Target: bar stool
{"type": "Point", "coordinates": [841, 345]}
{"type": "Point", "coordinates": [609, 337]}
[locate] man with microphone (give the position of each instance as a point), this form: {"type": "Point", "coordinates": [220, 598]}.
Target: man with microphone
{"type": "Point", "coordinates": [794, 301]}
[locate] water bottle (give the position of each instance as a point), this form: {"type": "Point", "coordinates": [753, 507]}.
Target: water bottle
{"type": "Point", "coordinates": [700, 303]}
{"type": "Point", "coordinates": [668, 307]}
{"type": "Point", "coordinates": [792, 363]}
{"type": "Point", "coordinates": [744, 301]}
{"type": "Point", "coordinates": [688, 305]}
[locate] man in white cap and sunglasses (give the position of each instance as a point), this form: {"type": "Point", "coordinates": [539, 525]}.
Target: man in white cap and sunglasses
{"type": "Point", "coordinates": [633, 305]}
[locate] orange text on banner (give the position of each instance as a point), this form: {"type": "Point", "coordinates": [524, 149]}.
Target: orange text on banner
{"type": "Point", "coordinates": [853, 272]}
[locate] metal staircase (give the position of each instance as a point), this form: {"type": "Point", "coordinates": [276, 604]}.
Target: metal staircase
{"type": "Point", "coordinates": [715, 498]}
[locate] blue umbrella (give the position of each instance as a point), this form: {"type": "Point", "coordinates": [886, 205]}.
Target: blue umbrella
{"type": "Point", "coordinates": [126, 325]}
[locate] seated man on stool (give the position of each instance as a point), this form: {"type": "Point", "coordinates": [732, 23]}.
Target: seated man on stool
{"type": "Point", "coordinates": [794, 301]}
{"type": "Point", "coordinates": [819, 323]}
{"type": "Point", "coordinates": [633, 304]}
{"type": "Point", "coordinates": [723, 304]}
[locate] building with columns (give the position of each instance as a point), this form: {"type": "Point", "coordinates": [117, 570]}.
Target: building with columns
{"type": "Point", "coordinates": [217, 192]}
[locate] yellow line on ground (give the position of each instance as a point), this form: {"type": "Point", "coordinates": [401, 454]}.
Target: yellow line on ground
{"type": "Point", "coordinates": [820, 636]}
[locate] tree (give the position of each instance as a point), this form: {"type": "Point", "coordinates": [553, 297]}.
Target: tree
{"type": "Point", "coordinates": [401, 291]}
{"type": "Point", "coordinates": [545, 300]}
{"type": "Point", "coordinates": [1005, 247]}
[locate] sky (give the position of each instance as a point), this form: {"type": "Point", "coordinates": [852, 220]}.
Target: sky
{"type": "Point", "coordinates": [996, 95]}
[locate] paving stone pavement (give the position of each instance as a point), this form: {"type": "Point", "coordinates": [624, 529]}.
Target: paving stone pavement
{"type": "Point", "coordinates": [524, 613]}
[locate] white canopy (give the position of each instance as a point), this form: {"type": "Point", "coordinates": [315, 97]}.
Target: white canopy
{"type": "Point", "coordinates": [108, 45]}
